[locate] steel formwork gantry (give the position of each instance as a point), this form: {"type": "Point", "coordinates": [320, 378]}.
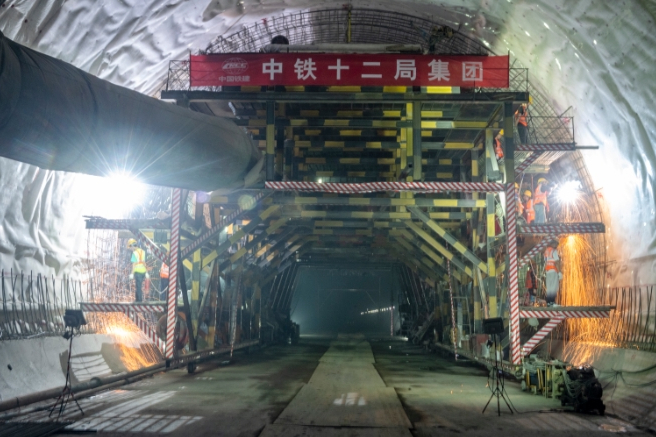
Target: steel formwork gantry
{"type": "Point", "coordinates": [377, 146]}
{"type": "Point", "coordinates": [359, 174]}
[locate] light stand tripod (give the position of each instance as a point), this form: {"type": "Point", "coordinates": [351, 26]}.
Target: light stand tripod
{"type": "Point", "coordinates": [73, 319]}
{"type": "Point", "coordinates": [499, 390]}
{"type": "Point", "coordinates": [495, 327]}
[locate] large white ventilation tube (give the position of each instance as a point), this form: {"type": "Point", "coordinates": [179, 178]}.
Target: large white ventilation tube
{"type": "Point", "coordinates": [58, 117]}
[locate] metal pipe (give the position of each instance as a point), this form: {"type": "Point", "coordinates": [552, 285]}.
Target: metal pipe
{"type": "Point", "coordinates": [96, 384]}
{"type": "Point", "coordinates": [58, 117]}
{"type": "Point", "coordinates": [91, 384]}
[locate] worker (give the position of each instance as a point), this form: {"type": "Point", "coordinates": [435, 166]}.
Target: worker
{"type": "Point", "coordinates": [552, 271]}
{"type": "Point", "coordinates": [531, 287]}
{"type": "Point", "coordinates": [518, 201]}
{"type": "Point", "coordinates": [164, 281]}
{"type": "Point", "coordinates": [276, 45]}
{"type": "Point", "coordinates": [529, 211]}
{"type": "Point", "coordinates": [540, 201]}
{"type": "Point", "coordinates": [522, 124]}
{"type": "Point", "coordinates": [498, 149]}
{"type": "Point", "coordinates": [139, 271]}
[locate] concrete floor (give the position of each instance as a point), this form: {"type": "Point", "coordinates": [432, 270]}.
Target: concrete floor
{"type": "Point", "coordinates": [438, 395]}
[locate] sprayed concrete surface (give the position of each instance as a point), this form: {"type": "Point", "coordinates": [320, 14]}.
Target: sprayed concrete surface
{"type": "Point", "coordinates": [38, 364]}
{"type": "Point", "coordinates": [254, 394]}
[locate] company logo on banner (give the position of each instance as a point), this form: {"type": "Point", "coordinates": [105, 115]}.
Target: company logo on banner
{"type": "Point", "coordinates": [234, 66]}
{"type": "Point", "coordinates": [294, 69]}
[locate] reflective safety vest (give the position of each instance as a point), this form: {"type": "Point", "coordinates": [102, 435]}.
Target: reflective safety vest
{"type": "Point", "coordinates": [164, 271]}
{"type": "Point", "coordinates": [530, 280]}
{"type": "Point", "coordinates": [529, 212]}
{"type": "Point", "coordinates": [138, 261]}
{"type": "Point", "coordinates": [521, 118]}
{"type": "Point", "coordinates": [550, 258]}
{"type": "Point", "coordinates": [498, 149]}
{"type": "Point", "coordinates": [539, 196]}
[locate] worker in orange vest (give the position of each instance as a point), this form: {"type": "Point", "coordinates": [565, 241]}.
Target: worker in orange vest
{"type": "Point", "coordinates": [522, 124]}
{"type": "Point", "coordinates": [531, 286]}
{"type": "Point", "coordinates": [518, 201]}
{"type": "Point", "coordinates": [540, 201]}
{"type": "Point", "coordinates": [529, 212]}
{"type": "Point", "coordinates": [498, 149]}
{"type": "Point", "coordinates": [552, 271]}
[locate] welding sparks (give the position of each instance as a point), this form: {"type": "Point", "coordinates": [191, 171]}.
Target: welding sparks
{"type": "Point", "coordinates": [584, 337]}
{"type": "Point", "coordinates": [569, 192]}
{"type": "Point", "coordinates": [135, 351]}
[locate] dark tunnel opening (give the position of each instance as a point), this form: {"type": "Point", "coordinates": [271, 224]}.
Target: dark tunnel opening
{"type": "Point", "coordinates": [341, 300]}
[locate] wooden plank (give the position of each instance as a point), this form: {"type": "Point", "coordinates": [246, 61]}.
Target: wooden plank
{"type": "Point", "coordinates": [346, 390]}
{"type": "Point", "coordinates": [274, 430]}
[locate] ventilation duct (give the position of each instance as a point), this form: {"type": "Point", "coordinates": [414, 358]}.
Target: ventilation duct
{"type": "Point", "coordinates": [57, 117]}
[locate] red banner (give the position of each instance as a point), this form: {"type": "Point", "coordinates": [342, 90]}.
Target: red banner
{"type": "Point", "coordinates": [293, 69]}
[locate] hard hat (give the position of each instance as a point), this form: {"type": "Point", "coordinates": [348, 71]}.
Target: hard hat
{"type": "Point", "coordinates": [132, 242]}
{"type": "Point", "coordinates": [516, 185]}
{"type": "Point", "coordinates": [527, 193]}
{"type": "Point", "coordinates": [542, 180]}
{"type": "Point", "coordinates": [553, 243]}
{"type": "Point", "coordinates": [501, 132]}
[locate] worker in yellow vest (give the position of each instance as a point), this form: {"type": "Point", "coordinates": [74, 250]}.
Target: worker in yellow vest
{"type": "Point", "coordinates": [540, 201]}
{"type": "Point", "coordinates": [552, 271]}
{"type": "Point", "coordinates": [139, 271]}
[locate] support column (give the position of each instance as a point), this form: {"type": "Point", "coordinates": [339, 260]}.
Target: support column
{"type": "Point", "coordinates": [491, 164]}
{"type": "Point", "coordinates": [491, 267]}
{"type": "Point", "coordinates": [511, 232]}
{"type": "Point", "coordinates": [478, 326]}
{"type": "Point", "coordinates": [513, 285]}
{"type": "Point", "coordinates": [176, 206]}
{"type": "Point", "coordinates": [508, 142]}
{"type": "Point", "coordinates": [416, 141]}
{"type": "Point", "coordinates": [409, 148]}
{"type": "Point", "coordinates": [270, 140]}
{"type": "Point", "coordinates": [195, 288]}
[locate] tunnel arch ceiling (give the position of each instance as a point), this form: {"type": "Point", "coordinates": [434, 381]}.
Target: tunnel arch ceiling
{"type": "Point", "coordinates": [588, 54]}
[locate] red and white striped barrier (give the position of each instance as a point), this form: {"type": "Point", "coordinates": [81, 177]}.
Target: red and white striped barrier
{"type": "Point", "coordinates": [538, 336]}
{"type": "Point", "coordinates": [121, 307]}
{"type": "Point", "coordinates": [174, 256]}
{"type": "Point", "coordinates": [526, 163]}
{"type": "Point", "coordinates": [209, 234]}
{"type": "Point", "coordinates": [150, 245]}
{"type": "Point", "coordinates": [372, 187]}
{"type": "Point", "coordinates": [537, 249]}
{"type": "Point", "coordinates": [563, 228]}
{"type": "Point", "coordinates": [513, 283]}
{"type": "Point", "coordinates": [552, 313]}
{"type": "Point", "coordinates": [547, 147]}
{"type": "Point", "coordinates": [146, 329]}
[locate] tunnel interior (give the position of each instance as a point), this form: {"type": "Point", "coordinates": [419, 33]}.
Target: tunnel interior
{"type": "Point", "coordinates": [379, 216]}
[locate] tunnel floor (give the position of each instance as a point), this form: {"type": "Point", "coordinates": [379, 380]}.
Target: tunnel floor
{"type": "Point", "coordinates": [347, 386]}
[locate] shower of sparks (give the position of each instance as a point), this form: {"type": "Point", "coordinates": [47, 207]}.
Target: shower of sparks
{"type": "Point", "coordinates": [585, 337]}
{"type": "Point", "coordinates": [136, 352]}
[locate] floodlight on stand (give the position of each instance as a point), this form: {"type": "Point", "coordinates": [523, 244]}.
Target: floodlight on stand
{"type": "Point", "coordinates": [74, 319]}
